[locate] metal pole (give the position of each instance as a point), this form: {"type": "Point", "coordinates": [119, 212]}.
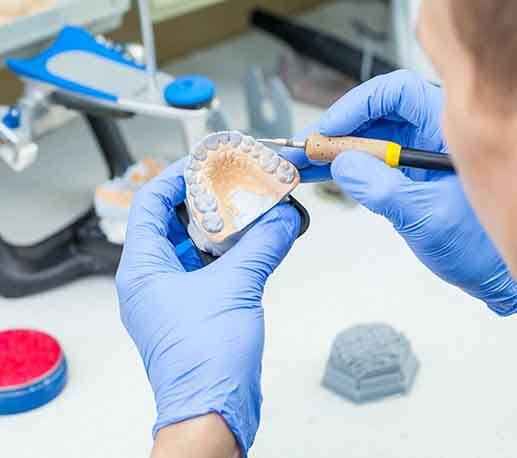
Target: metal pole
{"type": "Point", "coordinates": [111, 143]}
{"type": "Point", "coordinates": [146, 26]}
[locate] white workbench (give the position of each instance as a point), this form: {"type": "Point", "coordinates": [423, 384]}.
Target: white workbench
{"type": "Point", "coordinates": [349, 268]}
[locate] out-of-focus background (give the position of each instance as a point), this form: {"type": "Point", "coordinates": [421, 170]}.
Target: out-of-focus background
{"type": "Point", "coordinates": [79, 133]}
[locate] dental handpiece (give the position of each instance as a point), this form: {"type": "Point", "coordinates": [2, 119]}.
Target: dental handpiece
{"type": "Point", "coordinates": [325, 149]}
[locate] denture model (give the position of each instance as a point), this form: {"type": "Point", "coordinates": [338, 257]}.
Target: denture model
{"type": "Point", "coordinates": [114, 197]}
{"type": "Point", "coordinates": [232, 180]}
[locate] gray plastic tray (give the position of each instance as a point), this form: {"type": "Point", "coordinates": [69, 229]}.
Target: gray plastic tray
{"type": "Point", "coordinates": [26, 35]}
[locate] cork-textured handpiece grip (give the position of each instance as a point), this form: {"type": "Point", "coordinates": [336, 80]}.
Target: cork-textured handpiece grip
{"type": "Point", "coordinates": [326, 149]}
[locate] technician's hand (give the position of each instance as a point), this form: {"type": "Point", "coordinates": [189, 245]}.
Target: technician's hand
{"type": "Point", "coordinates": [200, 333]}
{"type": "Point", "coordinates": [428, 209]}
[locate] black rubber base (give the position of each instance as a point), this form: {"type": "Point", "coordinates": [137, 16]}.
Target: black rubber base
{"type": "Point", "coordinates": [78, 250]}
{"type": "Point", "coordinates": [206, 258]}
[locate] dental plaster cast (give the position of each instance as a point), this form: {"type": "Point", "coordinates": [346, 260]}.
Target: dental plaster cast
{"type": "Point", "coordinates": [232, 180]}
{"type": "Point", "coordinates": [10, 9]}
{"type": "Point", "coordinates": [113, 198]}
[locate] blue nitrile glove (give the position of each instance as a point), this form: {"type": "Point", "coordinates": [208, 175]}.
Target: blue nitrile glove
{"type": "Point", "coordinates": [427, 208]}
{"type": "Point", "coordinates": [200, 333]}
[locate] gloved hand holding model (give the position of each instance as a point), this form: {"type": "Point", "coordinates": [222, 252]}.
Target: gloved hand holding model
{"type": "Point", "coordinates": [200, 332]}
{"type": "Point", "coordinates": [427, 208]}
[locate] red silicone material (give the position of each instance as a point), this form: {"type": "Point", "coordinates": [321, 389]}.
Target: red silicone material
{"type": "Point", "coordinates": [26, 356]}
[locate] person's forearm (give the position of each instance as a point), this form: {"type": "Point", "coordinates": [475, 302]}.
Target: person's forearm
{"type": "Point", "coordinates": [204, 437]}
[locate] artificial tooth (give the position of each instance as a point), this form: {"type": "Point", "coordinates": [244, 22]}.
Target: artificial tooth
{"type": "Point", "coordinates": [272, 165]}
{"type": "Point", "coordinates": [256, 150]}
{"type": "Point", "coordinates": [269, 160]}
{"type": "Point", "coordinates": [223, 137]}
{"type": "Point", "coordinates": [195, 189]}
{"type": "Point", "coordinates": [212, 222]}
{"type": "Point", "coordinates": [247, 143]}
{"type": "Point", "coordinates": [199, 152]}
{"type": "Point", "coordinates": [193, 164]}
{"type": "Point", "coordinates": [191, 176]}
{"type": "Point", "coordinates": [285, 172]}
{"type": "Point", "coordinates": [211, 142]}
{"type": "Point", "coordinates": [205, 202]}
{"type": "Point", "coordinates": [266, 154]}
{"type": "Point", "coordinates": [235, 138]}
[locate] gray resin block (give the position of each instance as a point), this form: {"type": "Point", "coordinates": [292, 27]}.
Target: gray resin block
{"type": "Point", "coordinates": [369, 362]}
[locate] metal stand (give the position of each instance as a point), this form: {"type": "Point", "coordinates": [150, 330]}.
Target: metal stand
{"type": "Point", "coordinates": [76, 251]}
{"type": "Point", "coordinates": [111, 143]}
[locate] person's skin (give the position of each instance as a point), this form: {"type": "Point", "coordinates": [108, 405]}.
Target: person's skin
{"type": "Point", "coordinates": [203, 437]}
{"type": "Point", "coordinates": [480, 127]}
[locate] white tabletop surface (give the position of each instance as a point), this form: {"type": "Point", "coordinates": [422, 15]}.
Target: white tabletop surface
{"type": "Point", "coordinates": [351, 267]}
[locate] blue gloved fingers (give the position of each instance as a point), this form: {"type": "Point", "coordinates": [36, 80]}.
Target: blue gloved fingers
{"type": "Point", "coordinates": [264, 245]}
{"type": "Point", "coordinates": [188, 256]}
{"type": "Point", "coordinates": [152, 204]}
{"type": "Point", "coordinates": [388, 97]}
{"type": "Point", "coordinates": [315, 173]}
{"type": "Point", "coordinates": [394, 96]}
{"type": "Point", "coordinates": [311, 173]}
{"type": "Point", "coordinates": [147, 244]}
{"type": "Point", "coordinates": [372, 183]}
{"type": "Point", "coordinates": [400, 107]}
{"type": "Point", "coordinates": [185, 250]}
